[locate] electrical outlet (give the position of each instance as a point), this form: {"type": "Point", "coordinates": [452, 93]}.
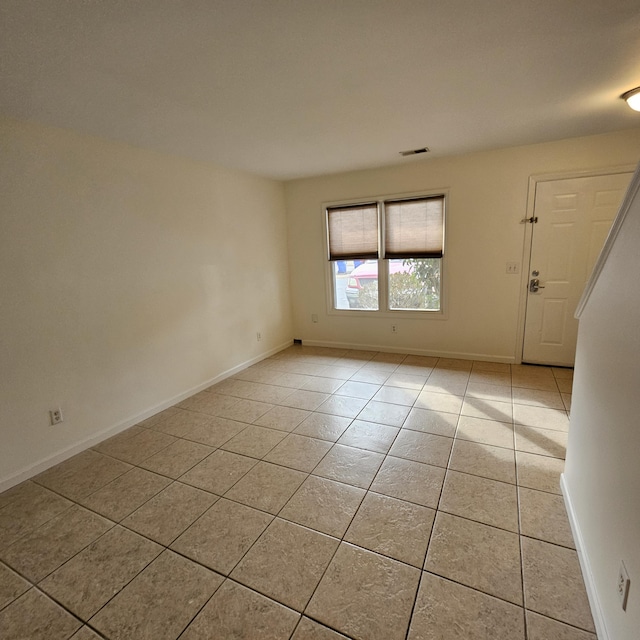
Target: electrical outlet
{"type": "Point", "coordinates": [394, 328]}
{"type": "Point", "coordinates": [258, 336]}
{"type": "Point", "coordinates": [623, 586]}
{"type": "Point", "coordinates": [513, 267]}
{"type": "Point", "coordinates": [314, 317]}
{"type": "Point", "coordinates": [55, 415]}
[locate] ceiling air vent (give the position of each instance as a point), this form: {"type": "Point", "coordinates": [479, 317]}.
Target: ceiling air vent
{"type": "Point", "coordinates": [413, 152]}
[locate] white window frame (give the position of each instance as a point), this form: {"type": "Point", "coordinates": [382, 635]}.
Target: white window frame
{"type": "Point", "coordinates": [383, 264]}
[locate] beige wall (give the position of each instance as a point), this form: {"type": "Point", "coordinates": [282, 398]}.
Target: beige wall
{"type": "Point", "coordinates": [602, 472]}
{"type": "Point", "coordinates": [128, 278]}
{"type": "Point", "coordinates": [487, 200]}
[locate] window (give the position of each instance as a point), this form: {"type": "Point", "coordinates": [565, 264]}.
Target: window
{"type": "Point", "coordinates": [387, 254]}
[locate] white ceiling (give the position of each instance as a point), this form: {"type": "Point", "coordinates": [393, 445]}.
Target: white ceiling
{"type": "Point", "coordinates": [291, 88]}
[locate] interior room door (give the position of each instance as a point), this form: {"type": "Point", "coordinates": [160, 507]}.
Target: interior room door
{"type": "Point", "coordinates": [573, 219]}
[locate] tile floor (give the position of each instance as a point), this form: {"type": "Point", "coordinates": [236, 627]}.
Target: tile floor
{"type": "Point", "coordinates": [317, 495]}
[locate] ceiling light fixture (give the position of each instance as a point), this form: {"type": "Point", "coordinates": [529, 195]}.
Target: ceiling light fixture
{"type": "Point", "coordinates": [633, 98]}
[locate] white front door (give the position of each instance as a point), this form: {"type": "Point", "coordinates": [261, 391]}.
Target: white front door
{"type": "Point", "coordinates": [573, 219]}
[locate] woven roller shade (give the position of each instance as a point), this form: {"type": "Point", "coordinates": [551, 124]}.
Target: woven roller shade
{"type": "Point", "coordinates": [353, 232]}
{"type": "Point", "coordinates": [414, 228]}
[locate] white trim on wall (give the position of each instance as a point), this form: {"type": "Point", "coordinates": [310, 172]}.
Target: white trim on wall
{"type": "Point", "coordinates": [64, 454]}
{"type": "Point", "coordinates": [585, 565]}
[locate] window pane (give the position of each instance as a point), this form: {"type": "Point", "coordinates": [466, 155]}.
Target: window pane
{"type": "Point", "coordinates": [355, 284]}
{"type": "Point", "coordinates": [414, 284]}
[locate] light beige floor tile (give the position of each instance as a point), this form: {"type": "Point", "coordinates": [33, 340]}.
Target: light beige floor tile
{"type": "Point", "coordinates": [500, 378]}
{"type": "Point", "coordinates": [246, 410]}
{"type": "Point", "coordinates": [355, 389]}
{"type": "Point", "coordinates": [323, 385]}
{"type": "Point", "coordinates": [349, 465]}
{"type": "Point", "coordinates": [445, 610]}
{"type": "Point", "coordinates": [388, 358]}
{"type": "Point", "coordinates": [565, 385]}
{"type": "Point", "coordinates": [397, 395]}
{"type": "Point", "coordinates": [219, 472]}
{"type": "Point", "coordinates": [234, 387]}
{"type": "Point", "coordinates": [533, 381]}
{"type": "Point", "coordinates": [298, 452]}
{"type": "Point", "coordinates": [344, 406]}
{"type": "Point", "coordinates": [125, 494]}
{"type": "Point", "coordinates": [153, 420]}
{"type": "Point", "coordinates": [85, 633]}
{"type": "Point", "coordinates": [566, 398]}
{"type": "Point", "coordinates": [283, 418]}
{"type": "Point", "coordinates": [422, 447]}
{"type": "Point", "coordinates": [212, 431]}
{"type": "Point", "coordinates": [177, 458]}
{"type": "Point", "coordinates": [31, 506]}
{"type": "Point", "coordinates": [323, 426]}
{"type": "Point", "coordinates": [437, 422]}
{"type": "Point", "coordinates": [446, 383]}
{"type": "Point", "coordinates": [286, 563]}
{"type": "Point", "coordinates": [562, 373]}
{"type": "Point", "coordinates": [33, 616]}
{"type": "Point", "coordinates": [539, 417]}
{"type": "Point", "coordinates": [11, 585]}
{"type": "Point", "coordinates": [310, 630]}
{"type": "Point", "coordinates": [487, 409]}
{"type": "Point", "coordinates": [267, 487]}
{"type": "Point", "coordinates": [553, 584]}
{"type": "Point", "coordinates": [372, 376]}
{"type": "Point", "coordinates": [135, 447]}
{"type": "Point", "coordinates": [496, 463]}
{"type": "Point", "coordinates": [238, 613]}
{"type": "Point", "coordinates": [542, 628]}
{"type": "Point", "coordinates": [498, 434]}
{"type": "Point", "coordinates": [426, 362]}
{"type": "Point", "coordinates": [438, 401]}
{"type": "Point", "coordinates": [43, 550]}
{"type": "Point", "coordinates": [476, 555]}
{"type": "Point", "coordinates": [254, 442]}
{"type": "Point", "coordinates": [498, 367]}
{"type": "Point", "coordinates": [408, 378]}
{"type": "Point", "coordinates": [539, 472]}
{"type": "Point", "coordinates": [537, 398]}
{"type": "Point", "coordinates": [269, 393]}
{"type": "Point", "coordinates": [185, 504]}
{"type": "Point", "coordinates": [160, 602]}
{"type": "Point", "coordinates": [291, 380]}
{"type": "Point", "coordinates": [488, 391]}
{"type": "Point", "coordinates": [323, 505]}
{"type": "Point", "coordinates": [456, 364]}
{"type": "Point", "coordinates": [83, 474]}
{"type": "Point", "coordinates": [487, 501]}
{"type": "Point", "coordinates": [220, 537]}
{"type": "Point", "coordinates": [207, 402]}
{"type": "Point", "coordinates": [543, 516]}
{"type": "Point", "coordinates": [408, 480]}
{"type": "Point", "coordinates": [384, 413]}
{"type": "Point", "coordinates": [365, 595]}
{"type": "Point", "coordinates": [89, 580]}
{"type": "Point", "coordinates": [304, 399]}
{"type": "Point", "coordinates": [392, 527]}
{"type": "Point", "coordinates": [544, 442]}
{"type": "Point", "coordinates": [369, 435]}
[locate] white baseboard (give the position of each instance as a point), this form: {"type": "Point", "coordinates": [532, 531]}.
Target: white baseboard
{"type": "Point", "coordinates": [585, 565]}
{"type": "Point", "coordinates": [60, 456]}
{"type": "Point", "coordinates": [415, 352]}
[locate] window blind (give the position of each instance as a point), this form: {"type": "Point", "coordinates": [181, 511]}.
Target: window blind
{"type": "Point", "coordinates": [414, 228]}
{"type": "Point", "coordinates": [353, 232]}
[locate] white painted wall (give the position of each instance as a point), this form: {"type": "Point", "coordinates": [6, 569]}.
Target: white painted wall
{"type": "Point", "coordinates": [127, 278]}
{"type": "Point", "coordinates": [602, 473]}
{"type": "Point", "coordinates": [488, 198]}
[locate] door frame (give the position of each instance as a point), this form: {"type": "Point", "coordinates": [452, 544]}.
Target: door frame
{"type": "Point", "coordinates": [527, 243]}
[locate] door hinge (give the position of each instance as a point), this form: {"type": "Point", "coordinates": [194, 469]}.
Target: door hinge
{"type": "Point", "coordinates": [532, 220]}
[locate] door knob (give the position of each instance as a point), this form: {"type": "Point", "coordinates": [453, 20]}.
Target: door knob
{"type": "Point", "coordinates": [534, 285]}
